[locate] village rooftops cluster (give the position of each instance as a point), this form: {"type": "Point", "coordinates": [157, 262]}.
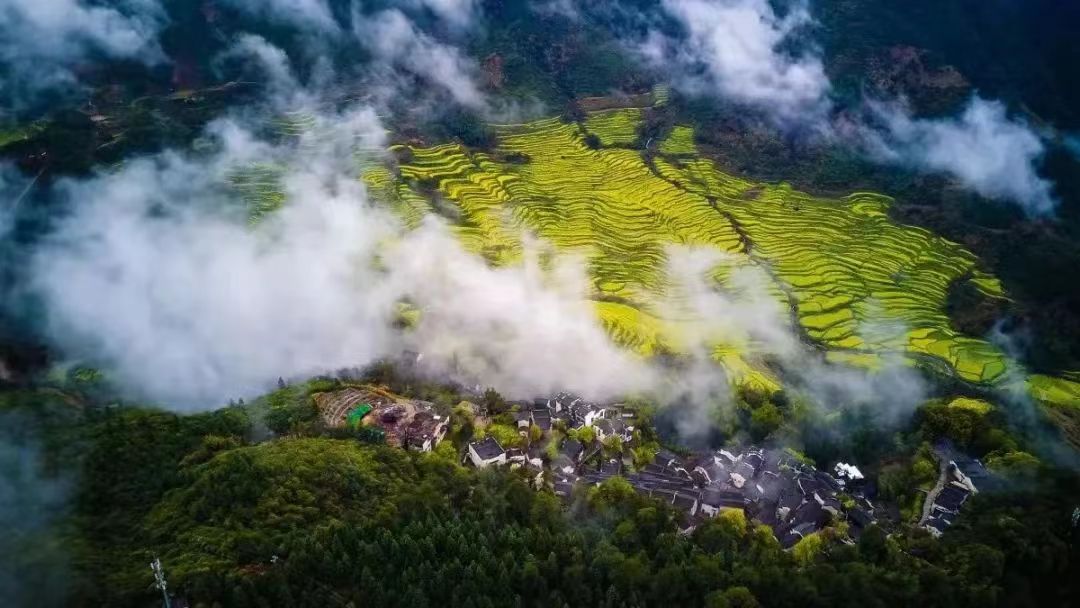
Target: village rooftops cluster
{"type": "Point", "coordinates": [573, 412]}
{"type": "Point", "coordinates": [607, 419]}
{"type": "Point", "coordinates": [769, 486]}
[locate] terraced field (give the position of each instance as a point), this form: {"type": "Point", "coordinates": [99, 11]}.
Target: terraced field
{"type": "Point", "coordinates": [858, 285]}
{"type": "Point", "coordinates": [259, 186]}
{"type": "Point", "coordinates": [858, 281]}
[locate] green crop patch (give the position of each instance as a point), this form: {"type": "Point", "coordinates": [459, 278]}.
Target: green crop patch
{"type": "Point", "coordinates": [679, 142]}
{"type": "Point", "coordinates": [615, 127]}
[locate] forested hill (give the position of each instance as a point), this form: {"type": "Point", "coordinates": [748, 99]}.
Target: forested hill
{"type": "Point", "coordinates": [306, 519]}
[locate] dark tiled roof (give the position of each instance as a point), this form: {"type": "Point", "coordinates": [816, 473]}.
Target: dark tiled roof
{"type": "Point", "coordinates": [487, 449]}
{"type": "Point", "coordinates": [563, 488]}
{"type": "Point", "coordinates": [663, 457]}
{"type": "Point", "coordinates": [717, 472]}
{"type": "Point", "coordinates": [613, 467]}
{"type": "Point", "coordinates": [542, 419]}
{"type": "Point", "coordinates": [797, 533]}
{"type": "Point", "coordinates": [722, 498]}
{"type": "Point", "coordinates": [829, 502]}
{"type": "Point", "coordinates": [765, 512]}
{"type": "Point", "coordinates": [808, 485]}
{"type": "Point", "coordinates": [685, 502]}
{"type": "Point", "coordinates": [951, 498]}
{"type": "Point", "coordinates": [937, 523]}
{"type": "Point", "coordinates": [790, 498]}
{"type": "Point", "coordinates": [755, 460]}
{"type": "Point", "coordinates": [828, 480]}
{"type": "Point", "coordinates": [808, 512]}
{"type": "Point", "coordinates": [572, 448]}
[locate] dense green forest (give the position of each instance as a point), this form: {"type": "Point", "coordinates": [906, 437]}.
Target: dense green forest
{"type": "Point", "coordinates": [242, 518]}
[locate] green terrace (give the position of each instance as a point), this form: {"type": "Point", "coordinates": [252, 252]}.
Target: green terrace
{"type": "Point", "coordinates": [859, 286]}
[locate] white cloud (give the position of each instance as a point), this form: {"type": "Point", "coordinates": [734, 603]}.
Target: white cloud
{"type": "Point", "coordinates": [522, 330]}
{"type": "Point", "coordinates": [989, 152]}
{"type": "Point", "coordinates": [272, 61]}
{"type": "Point", "coordinates": [157, 276]}
{"type": "Point", "coordinates": [745, 314]}
{"type": "Point", "coordinates": [42, 41]}
{"type": "Point", "coordinates": [312, 15]}
{"type": "Point", "coordinates": [735, 48]}
{"type": "Point", "coordinates": [459, 14]}
{"type": "Point", "coordinates": [397, 42]}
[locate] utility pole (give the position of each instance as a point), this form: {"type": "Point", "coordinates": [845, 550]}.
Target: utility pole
{"type": "Point", "coordinates": [159, 579]}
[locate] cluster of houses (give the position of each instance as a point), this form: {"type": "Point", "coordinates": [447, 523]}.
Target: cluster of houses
{"type": "Point", "coordinates": [606, 420]}
{"type": "Point", "coordinates": [769, 486]}
{"type": "Point", "coordinates": [575, 413]}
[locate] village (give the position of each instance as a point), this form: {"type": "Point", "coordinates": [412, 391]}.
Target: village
{"type": "Point", "coordinates": [566, 444]}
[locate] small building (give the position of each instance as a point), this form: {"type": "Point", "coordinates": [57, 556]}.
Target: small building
{"type": "Point", "coordinates": [563, 464]}
{"type": "Point", "coordinates": [608, 427]}
{"type": "Point", "coordinates": [563, 487]}
{"type": "Point", "coordinates": [687, 503]}
{"type": "Point", "coordinates": [486, 452]}
{"type": "Point", "coordinates": [951, 498]}
{"type": "Point", "coordinates": [583, 413]}
{"type": "Point", "coordinates": [711, 472]}
{"type": "Point", "coordinates": [516, 456]}
{"type": "Point", "coordinates": [611, 467]}
{"type": "Point", "coordinates": [426, 431]}
{"type": "Point", "coordinates": [542, 419]}
{"type": "Point", "coordinates": [523, 418]}
{"type": "Point", "coordinates": [573, 449]}
{"type": "Point", "coordinates": [789, 500]}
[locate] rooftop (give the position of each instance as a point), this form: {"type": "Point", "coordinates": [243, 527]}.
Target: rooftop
{"type": "Point", "coordinates": [487, 449]}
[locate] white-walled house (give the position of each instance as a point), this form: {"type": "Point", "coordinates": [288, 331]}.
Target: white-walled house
{"type": "Point", "coordinates": [486, 452]}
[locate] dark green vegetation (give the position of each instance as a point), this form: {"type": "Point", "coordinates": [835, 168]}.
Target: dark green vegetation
{"type": "Point", "coordinates": [308, 520]}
